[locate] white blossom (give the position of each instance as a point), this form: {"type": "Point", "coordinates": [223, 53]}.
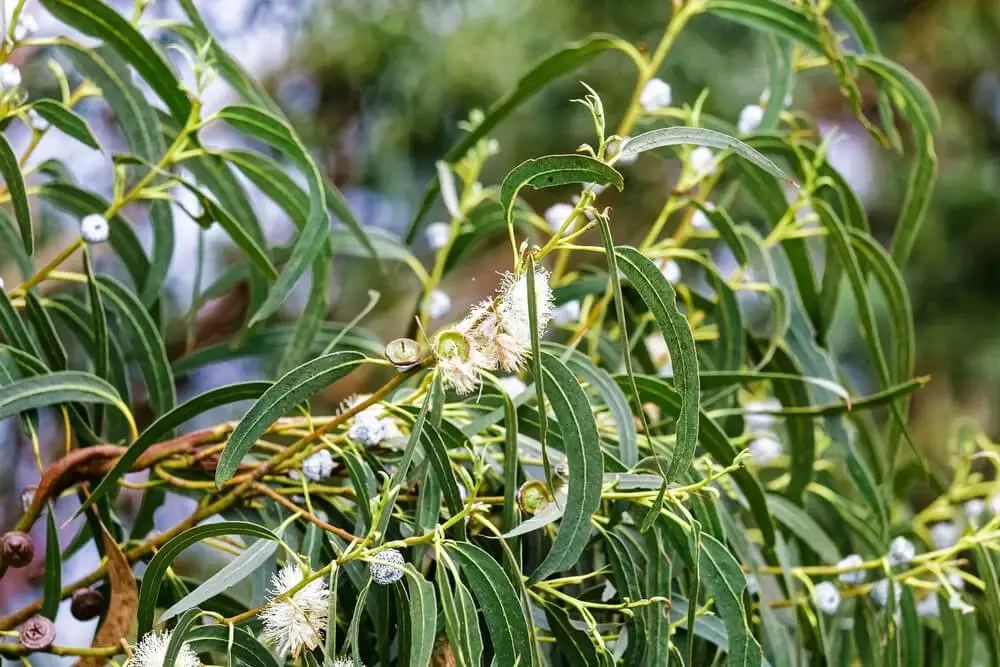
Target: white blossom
{"type": "Point", "coordinates": [10, 76]}
{"type": "Point", "coordinates": [512, 384]}
{"type": "Point", "coordinates": [974, 508]}
{"type": "Point", "coordinates": [827, 597]}
{"type": "Point", "coordinates": [614, 147]}
{"type": "Point", "coordinates": [956, 602]}
{"type": "Point", "coordinates": [152, 650]}
{"type": "Point", "coordinates": [901, 551]}
{"type": "Point", "coordinates": [765, 450]}
{"type": "Point", "coordinates": [501, 330]}
{"type": "Point", "coordinates": [880, 591]}
{"type": "Point", "coordinates": [655, 95]}
{"type": "Point", "coordinates": [25, 27]}
{"type": "Point", "coordinates": [751, 116]}
{"type": "Point", "coordinates": [671, 271]}
{"type": "Point", "coordinates": [368, 427]}
{"type": "Point", "coordinates": [387, 567]}
{"type": "Point", "coordinates": [438, 304]}
{"type": "Point", "coordinates": [928, 605]}
{"type": "Point", "coordinates": [854, 576]}
{"type": "Point", "coordinates": [36, 122]}
{"type": "Point", "coordinates": [702, 160]}
{"type": "Point", "coordinates": [557, 214]}
{"type": "Point", "coordinates": [299, 621]}
{"type": "Point", "coordinates": [699, 221]}
{"type": "Point", "coordinates": [94, 228]}
{"type": "Point", "coordinates": [944, 534]}
{"type": "Point", "coordinates": [437, 234]}
{"type": "Point", "coordinates": [346, 661]}
{"type": "Point", "coordinates": [757, 415]}
{"type": "Point", "coordinates": [567, 313]}
{"type": "Point", "coordinates": [318, 466]}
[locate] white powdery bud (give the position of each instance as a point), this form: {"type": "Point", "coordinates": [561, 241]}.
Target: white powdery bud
{"type": "Point", "coordinates": [25, 27]}
{"type": "Point", "coordinates": [615, 147]}
{"type": "Point", "coordinates": [854, 576]}
{"type": "Point", "coordinates": [656, 94]}
{"type": "Point", "coordinates": [438, 304]}
{"type": "Point", "coordinates": [512, 385]}
{"type": "Point", "coordinates": [567, 313]}
{"type": "Point", "coordinates": [757, 417]}
{"type": "Point", "coordinates": [437, 234]}
{"type": "Point", "coordinates": [152, 651]}
{"type": "Point", "coordinates": [671, 271]}
{"type": "Point", "coordinates": [94, 228]}
{"type": "Point", "coordinates": [944, 534]}
{"type": "Point", "coordinates": [557, 214]}
{"type": "Point", "coordinates": [387, 567]}
{"type": "Point", "coordinates": [10, 76]}
{"type": "Point", "coordinates": [901, 551]}
{"type": "Point", "coordinates": [880, 592]}
{"type": "Point", "coordinates": [827, 597]}
{"type": "Point", "coordinates": [956, 602]}
{"type": "Point", "coordinates": [765, 450]}
{"type": "Point", "coordinates": [36, 122]}
{"type": "Point", "coordinates": [368, 428]}
{"type": "Point", "coordinates": [928, 605]}
{"type": "Point", "coordinates": [299, 621]}
{"type": "Point", "coordinates": [318, 466]}
{"type": "Point", "coordinates": [699, 221]}
{"type": "Point", "coordinates": [974, 508]}
{"type": "Point", "coordinates": [956, 581]}
{"type": "Point", "coordinates": [703, 162]}
{"type": "Point", "coordinates": [751, 116]}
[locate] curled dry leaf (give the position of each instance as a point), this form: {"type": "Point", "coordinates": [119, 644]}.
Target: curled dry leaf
{"type": "Point", "coordinates": [123, 606]}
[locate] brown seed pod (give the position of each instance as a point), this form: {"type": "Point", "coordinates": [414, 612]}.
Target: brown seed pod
{"type": "Point", "coordinates": [38, 633]}
{"type": "Point", "coordinates": [18, 548]}
{"type": "Point", "coordinates": [87, 604]}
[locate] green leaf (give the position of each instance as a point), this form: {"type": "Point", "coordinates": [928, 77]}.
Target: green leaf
{"type": "Point", "coordinates": [66, 120]}
{"type": "Point", "coordinates": [51, 596]}
{"type": "Point", "coordinates": [423, 616]}
{"type": "Point", "coordinates": [293, 388]}
{"type": "Point", "coordinates": [10, 241]}
{"type": "Point", "coordinates": [552, 170]}
{"type": "Point", "coordinates": [160, 428]}
{"type": "Point", "coordinates": [725, 582]}
{"type": "Point", "coordinates": [565, 60]}
{"type": "Point", "coordinates": [625, 569]}
{"type": "Point", "coordinates": [94, 18]}
{"type": "Point", "coordinates": [575, 645]}
{"type": "Point", "coordinates": [240, 645]}
{"type": "Point", "coordinates": [586, 467]}
{"type": "Point", "coordinates": [240, 236]}
{"type": "Point", "coordinates": [699, 136]}
{"type": "Point", "coordinates": [461, 620]}
{"type": "Point", "coordinates": [498, 603]}
{"type": "Point", "coordinates": [658, 295]}
{"type": "Point", "coordinates": [56, 388]}
{"type": "Point", "coordinates": [771, 15]}
{"type": "Point", "coordinates": [803, 526]}
{"type": "Point", "coordinates": [152, 578]}
{"type": "Point", "coordinates": [12, 177]}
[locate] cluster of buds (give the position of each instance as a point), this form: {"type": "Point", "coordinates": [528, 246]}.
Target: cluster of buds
{"type": "Point", "coordinates": [495, 334]}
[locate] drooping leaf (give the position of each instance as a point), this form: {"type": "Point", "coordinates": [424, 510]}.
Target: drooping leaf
{"type": "Point", "coordinates": [66, 120]}
{"type": "Point", "coordinates": [14, 181]}
{"type": "Point", "coordinates": [552, 170]}
{"type": "Point", "coordinates": [122, 604]}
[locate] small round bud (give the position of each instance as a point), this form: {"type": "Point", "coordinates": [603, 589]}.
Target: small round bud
{"type": "Point", "coordinates": [671, 271]}
{"type": "Point", "coordinates": [87, 604]}
{"type": "Point", "coordinates": [557, 214]}
{"type": "Point", "coordinates": [37, 634]}
{"type": "Point", "coordinates": [403, 352]}
{"type": "Point", "coordinates": [655, 95]}
{"type": "Point", "coordinates": [318, 466]}
{"type": "Point", "coordinates": [975, 508]}
{"type": "Point", "coordinates": [901, 551]}
{"type": "Point", "coordinates": [703, 162]}
{"type": "Point", "coordinates": [944, 534]}
{"type": "Point", "coordinates": [700, 222]}
{"type": "Point", "coordinates": [36, 122]}
{"type": "Point", "coordinates": [750, 119]}
{"type": "Point", "coordinates": [387, 567]}
{"type": "Point", "coordinates": [827, 597]}
{"type": "Point", "coordinates": [18, 548]}
{"type": "Point", "coordinates": [438, 234]}
{"type": "Point", "coordinates": [25, 27]}
{"type": "Point", "coordinates": [765, 450]}
{"type": "Point", "coordinates": [567, 313]}
{"type": "Point", "coordinates": [854, 576]}
{"type": "Point", "coordinates": [880, 592]}
{"type": "Point", "coordinates": [438, 304]}
{"type": "Point", "coordinates": [10, 76]}
{"type": "Point", "coordinates": [94, 228]}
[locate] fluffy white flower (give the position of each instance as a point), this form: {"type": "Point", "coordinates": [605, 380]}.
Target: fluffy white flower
{"type": "Point", "coordinates": [318, 466]}
{"type": "Point", "coordinates": [513, 385]}
{"type": "Point", "coordinates": [765, 450]}
{"type": "Point", "coordinates": [751, 116]}
{"type": "Point", "coordinates": [504, 335]}
{"type": "Point", "coordinates": [854, 576]}
{"type": "Point", "coordinates": [94, 228]}
{"type": "Point", "coordinates": [438, 304]}
{"type": "Point", "coordinates": [757, 417]}
{"type": "Point", "coordinates": [567, 313]}
{"type": "Point", "coordinates": [956, 602]}
{"type": "Point", "coordinates": [368, 428]}
{"type": "Point", "coordinates": [25, 27]}
{"type": "Point", "coordinates": [152, 650]}
{"type": "Point", "coordinates": [827, 597]}
{"type": "Point", "coordinates": [615, 146]}
{"type": "Point", "coordinates": [974, 508]}
{"type": "Point", "coordinates": [700, 221]}
{"type": "Point", "coordinates": [387, 567]}
{"type": "Point", "coordinates": [10, 76]}
{"type": "Point", "coordinates": [655, 95]}
{"type": "Point", "coordinates": [880, 591]}
{"type": "Point", "coordinates": [703, 162]}
{"type": "Point", "coordinates": [928, 605]}
{"type": "Point", "coordinates": [299, 621]}
{"type": "Point", "coordinates": [901, 551]}
{"type": "Point", "coordinates": [944, 534]}
{"type": "Point", "coordinates": [437, 234]}
{"type": "Point", "coordinates": [36, 122]}
{"type": "Point", "coordinates": [671, 271]}
{"type": "Point", "coordinates": [557, 214]}
{"type": "Point", "coordinates": [346, 661]}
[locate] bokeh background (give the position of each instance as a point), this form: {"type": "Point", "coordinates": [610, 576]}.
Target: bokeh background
{"type": "Point", "coordinates": [377, 89]}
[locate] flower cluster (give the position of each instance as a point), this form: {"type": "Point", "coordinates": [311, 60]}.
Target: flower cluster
{"type": "Point", "coordinates": [495, 334]}
{"type": "Point", "coordinates": [152, 650]}
{"type": "Point", "coordinates": [298, 621]}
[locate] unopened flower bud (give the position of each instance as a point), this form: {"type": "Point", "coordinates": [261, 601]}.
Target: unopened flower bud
{"type": "Point", "coordinates": [37, 634]}
{"type": "Point", "coordinates": [827, 597]}
{"type": "Point", "coordinates": [94, 228]}
{"type": "Point", "coordinates": [87, 604]}
{"type": "Point", "coordinates": [18, 549]}
{"type": "Point", "coordinates": [656, 94]}
{"type": "Point", "coordinates": [854, 576]}
{"type": "Point", "coordinates": [10, 76]}
{"type": "Point", "coordinates": [750, 118]}
{"type": "Point", "coordinates": [387, 567]}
